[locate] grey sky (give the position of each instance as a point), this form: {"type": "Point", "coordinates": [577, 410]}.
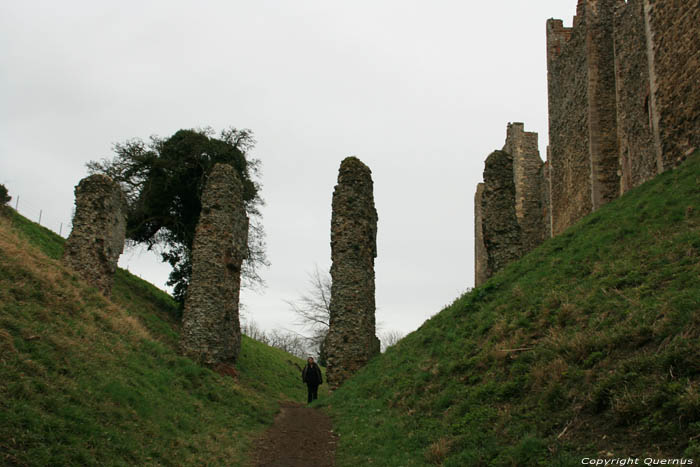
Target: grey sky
{"type": "Point", "coordinates": [421, 92]}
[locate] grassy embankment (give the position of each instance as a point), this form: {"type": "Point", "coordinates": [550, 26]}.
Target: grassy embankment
{"type": "Point", "coordinates": [87, 381]}
{"type": "Point", "coordinates": [588, 346]}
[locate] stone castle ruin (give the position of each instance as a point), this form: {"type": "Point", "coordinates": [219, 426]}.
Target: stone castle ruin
{"type": "Point", "coordinates": [99, 227]}
{"type": "Point", "coordinates": [211, 331]}
{"type": "Point", "coordinates": [508, 208]}
{"type": "Point", "coordinates": [351, 339]}
{"type": "Point", "coordinates": [624, 106]}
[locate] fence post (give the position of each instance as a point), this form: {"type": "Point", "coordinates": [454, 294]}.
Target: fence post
{"type": "Point", "coordinates": [17, 203]}
{"type": "Point", "coordinates": [40, 216]}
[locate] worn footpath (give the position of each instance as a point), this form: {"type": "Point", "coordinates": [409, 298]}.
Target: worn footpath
{"type": "Point", "coordinates": [300, 436]}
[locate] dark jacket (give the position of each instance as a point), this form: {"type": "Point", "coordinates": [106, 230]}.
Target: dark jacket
{"type": "Point", "coordinates": [312, 375]}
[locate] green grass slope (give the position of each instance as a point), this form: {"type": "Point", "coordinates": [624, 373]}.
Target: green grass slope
{"type": "Point", "coordinates": [587, 347]}
{"type": "Point", "coordinates": [87, 381]}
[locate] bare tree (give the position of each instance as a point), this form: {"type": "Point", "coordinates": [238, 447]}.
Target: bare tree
{"type": "Point", "coordinates": [313, 310]}
{"type": "Point", "coordinates": [251, 329]}
{"type": "Point", "coordinates": [389, 338]}
{"type": "Point", "coordinates": [288, 341]}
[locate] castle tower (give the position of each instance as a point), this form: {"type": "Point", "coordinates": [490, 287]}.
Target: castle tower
{"type": "Point", "coordinates": [99, 228]}
{"type": "Point", "coordinates": [351, 339]}
{"type": "Point", "coordinates": [582, 113]}
{"type": "Point", "coordinates": [211, 330]}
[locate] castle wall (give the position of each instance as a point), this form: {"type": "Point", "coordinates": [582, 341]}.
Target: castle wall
{"type": "Point", "coordinates": [480, 253]}
{"type": "Point", "coordinates": [546, 197]}
{"type": "Point", "coordinates": [638, 159]}
{"type": "Point", "coordinates": [211, 331]}
{"type": "Point", "coordinates": [511, 207]}
{"type": "Point", "coordinates": [527, 177]}
{"type": "Point", "coordinates": [99, 227]}
{"type": "Point", "coordinates": [673, 36]}
{"type": "Point", "coordinates": [351, 339]}
{"type": "Point", "coordinates": [501, 231]}
{"type": "Point", "coordinates": [584, 159]}
{"type": "Point", "coordinates": [569, 158]}
{"type": "Point", "coordinates": [624, 106]}
{"type": "Point", "coordinates": [602, 109]}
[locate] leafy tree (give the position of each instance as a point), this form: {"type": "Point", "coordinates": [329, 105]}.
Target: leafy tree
{"type": "Point", "coordinates": [163, 181]}
{"type": "Point", "coordinates": [4, 197]}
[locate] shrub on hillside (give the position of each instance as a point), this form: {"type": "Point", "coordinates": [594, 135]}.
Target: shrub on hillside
{"type": "Point", "coordinates": [4, 197]}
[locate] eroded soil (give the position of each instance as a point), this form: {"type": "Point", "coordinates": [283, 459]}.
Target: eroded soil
{"type": "Point", "coordinates": [300, 437]}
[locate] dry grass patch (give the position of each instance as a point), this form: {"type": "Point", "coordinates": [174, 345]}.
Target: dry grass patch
{"type": "Point", "coordinates": [438, 451]}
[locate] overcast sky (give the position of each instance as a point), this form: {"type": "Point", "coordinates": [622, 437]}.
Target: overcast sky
{"type": "Point", "coordinates": [421, 92]}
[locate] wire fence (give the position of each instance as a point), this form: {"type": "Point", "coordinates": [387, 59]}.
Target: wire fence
{"type": "Point", "coordinates": [58, 224]}
{"type": "Point", "coordinates": [62, 225]}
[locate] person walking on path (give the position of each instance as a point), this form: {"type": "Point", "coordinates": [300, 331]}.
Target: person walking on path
{"type": "Point", "coordinates": [311, 375]}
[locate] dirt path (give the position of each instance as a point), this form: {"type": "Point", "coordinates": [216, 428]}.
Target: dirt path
{"type": "Point", "coordinates": [300, 437]}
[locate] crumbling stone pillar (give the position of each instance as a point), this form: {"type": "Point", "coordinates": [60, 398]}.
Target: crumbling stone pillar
{"type": "Point", "coordinates": [351, 340]}
{"type": "Point", "coordinates": [211, 330]}
{"type": "Point", "coordinates": [502, 235]}
{"type": "Point", "coordinates": [99, 228]}
{"type": "Point", "coordinates": [511, 207]}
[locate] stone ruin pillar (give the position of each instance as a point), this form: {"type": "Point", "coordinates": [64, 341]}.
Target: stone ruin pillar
{"type": "Point", "coordinates": [502, 235]}
{"type": "Point", "coordinates": [351, 339]}
{"type": "Point", "coordinates": [99, 228]}
{"type": "Point", "coordinates": [211, 330]}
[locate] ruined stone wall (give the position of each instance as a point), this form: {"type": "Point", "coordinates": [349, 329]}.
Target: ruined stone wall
{"type": "Point", "coordinates": [511, 207]}
{"type": "Point", "coordinates": [638, 161]}
{"type": "Point", "coordinates": [569, 159]}
{"type": "Point", "coordinates": [582, 113]}
{"type": "Point", "coordinates": [527, 167]}
{"type": "Point", "coordinates": [602, 108]}
{"type": "Point", "coordinates": [99, 227]}
{"type": "Point", "coordinates": [480, 253]}
{"type": "Point", "coordinates": [351, 339]}
{"type": "Point", "coordinates": [546, 198]}
{"type": "Point", "coordinates": [211, 332]}
{"type": "Point", "coordinates": [501, 231]}
{"type": "Point", "coordinates": [672, 37]}
{"type": "Point", "coordinates": [624, 105]}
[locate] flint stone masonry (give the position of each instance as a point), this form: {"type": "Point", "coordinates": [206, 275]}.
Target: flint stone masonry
{"type": "Point", "coordinates": [501, 232]}
{"type": "Point", "coordinates": [624, 106]}
{"type": "Point", "coordinates": [546, 197]}
{"type": "Point", "coordinates": [602, 116]}
{"type": "Point", "coordinates": [638, 161]}
{"type": "Point", "coordinates": [351, 339]}
{"type": "Point", "coordinates": [211, 331]}
{"type": "Point", "coordinates": [99, 228]}
{"type": "Point", "coordinates": [480, 253]}
{"type": "Point", "coordinates": [527, 175]}
{"type": "Point", "coordinates": [672, 37]}
{"type": "Point", "coordinates": [511, 207]}
{"type": "Point", "coordinates": [582, 113]}
{"type": "Point", "coordinates": [624, 99]}
{"type": "Point", "coordinates": [569, 160]}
